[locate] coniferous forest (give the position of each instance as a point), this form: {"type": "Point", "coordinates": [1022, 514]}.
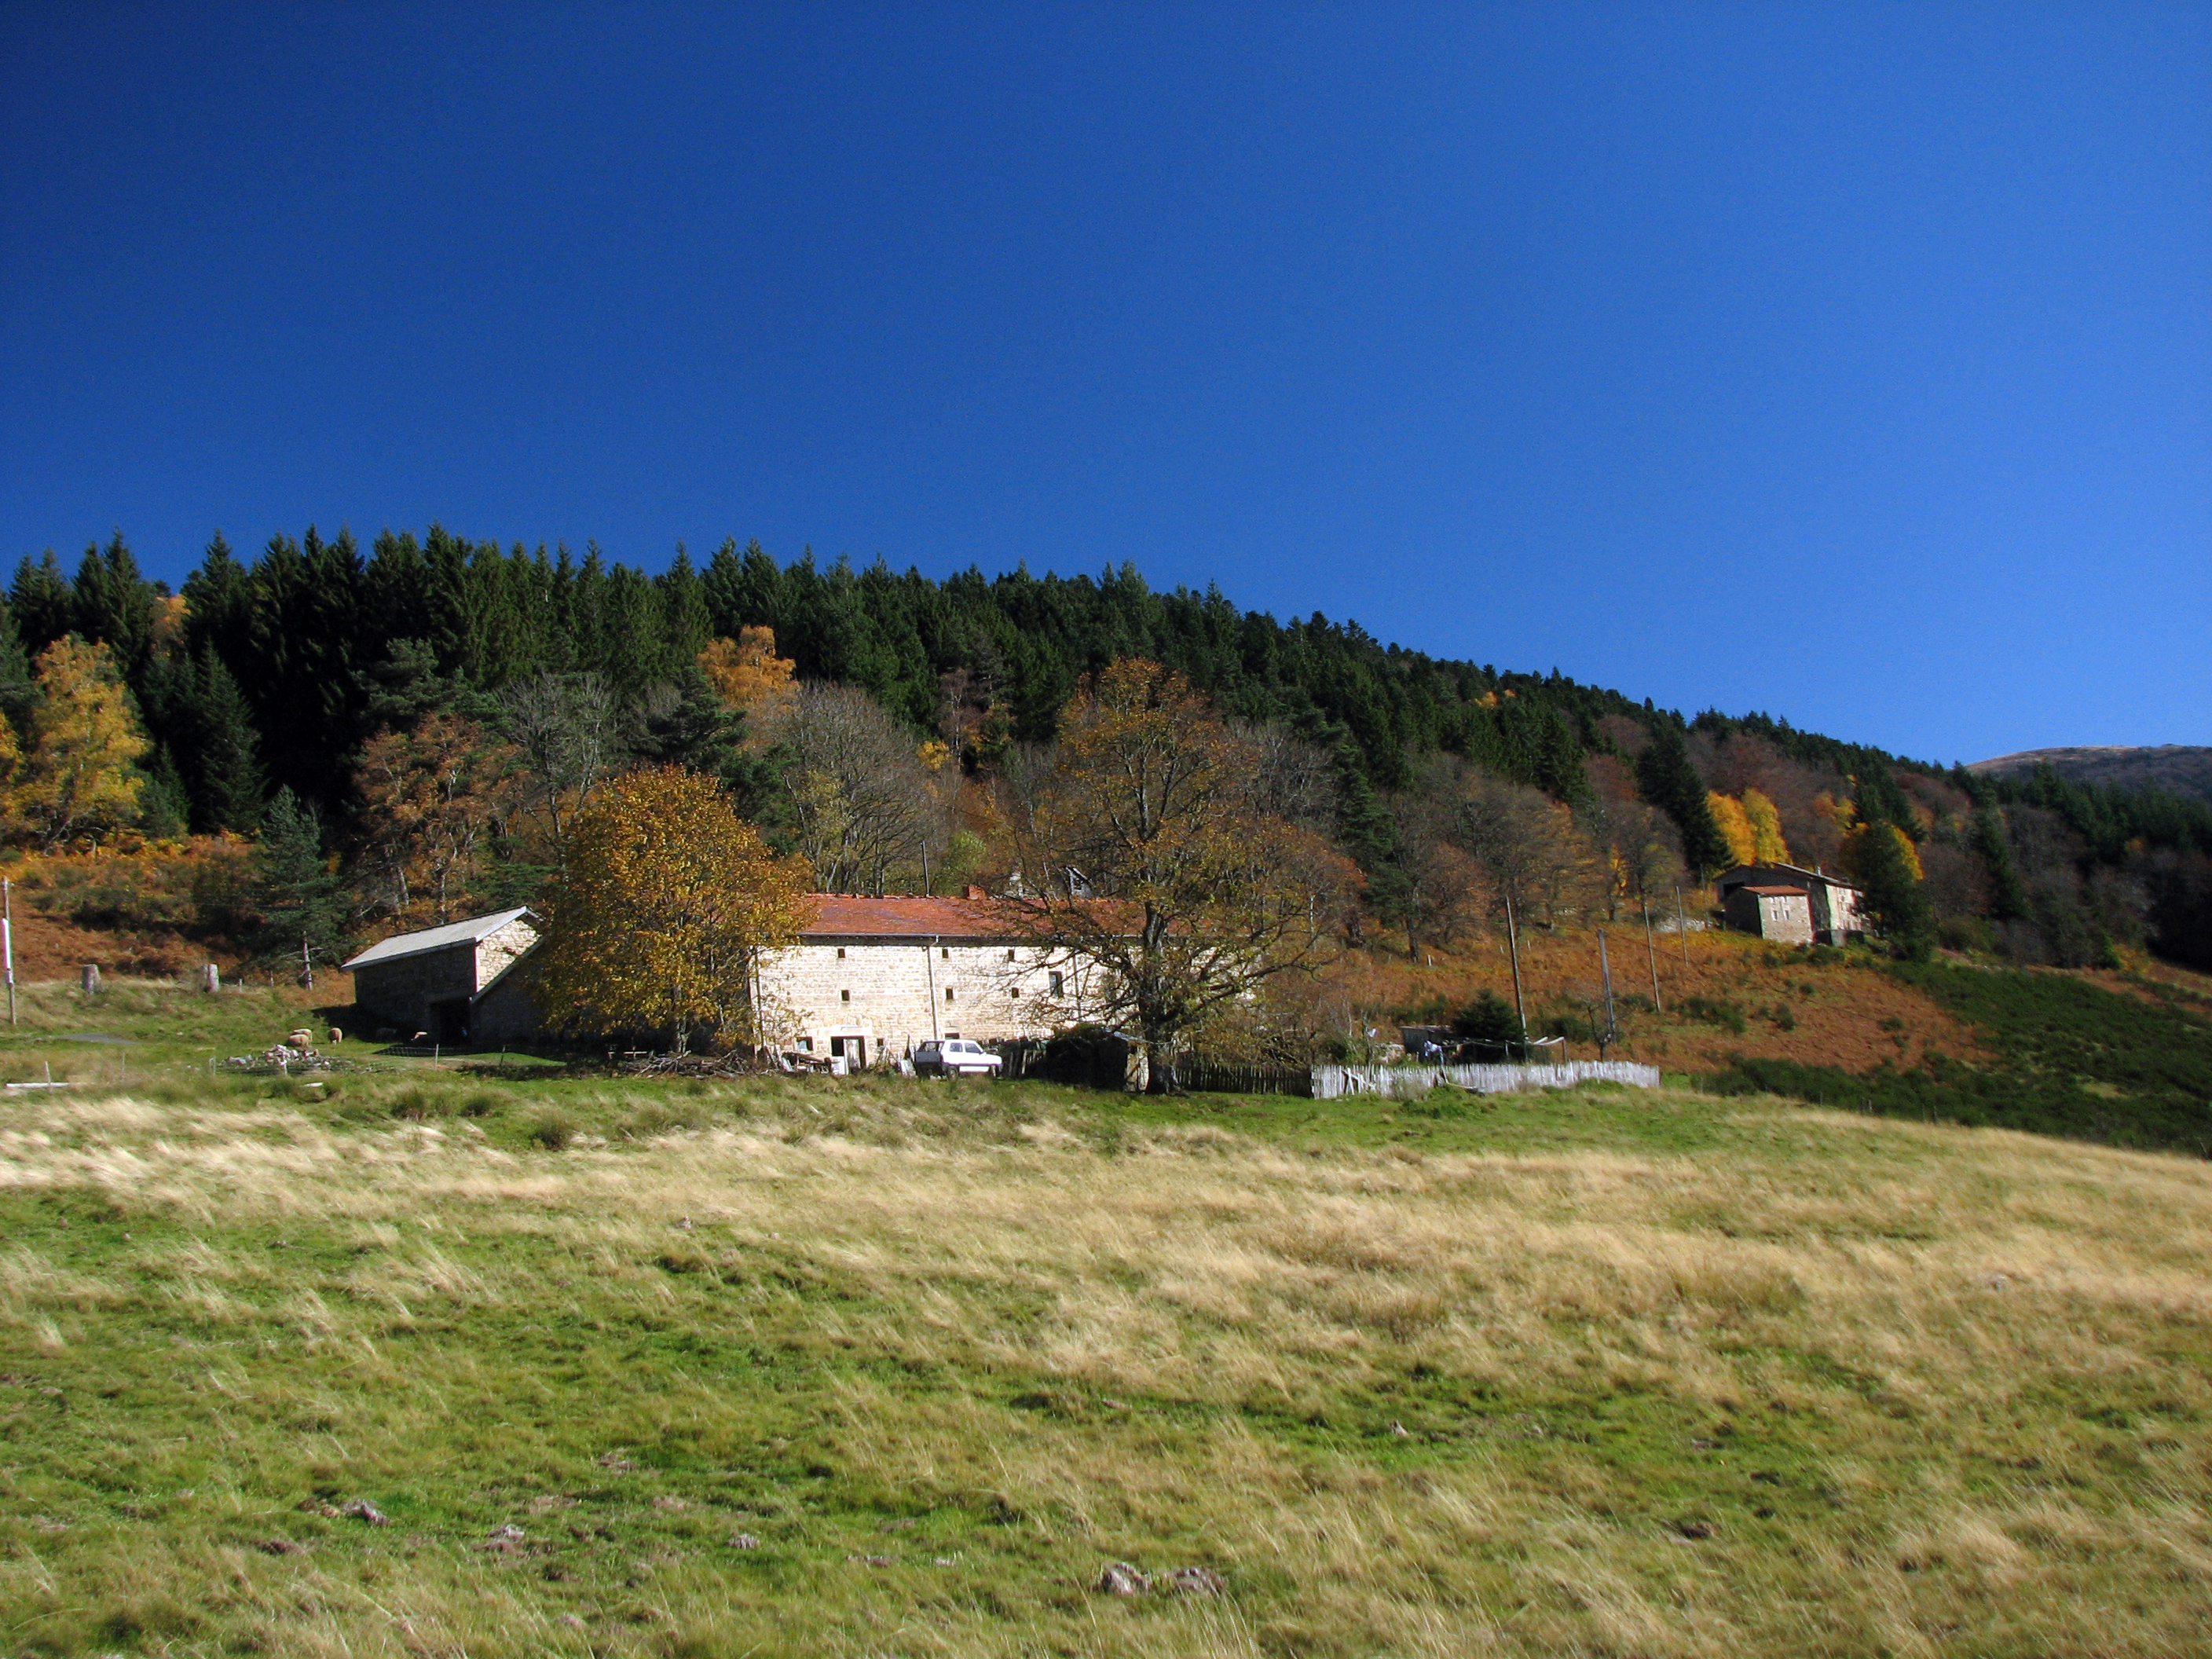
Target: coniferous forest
{"type": "Point", "coordinates": [398, 731]}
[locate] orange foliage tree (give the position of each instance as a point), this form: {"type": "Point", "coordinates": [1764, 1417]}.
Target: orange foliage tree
{"type": "Point", "coordinates": [671, 902]}
{"type": "Point", "coordinates": [747, 675]}
{"type": "Point", "coordinates": [435, 796]}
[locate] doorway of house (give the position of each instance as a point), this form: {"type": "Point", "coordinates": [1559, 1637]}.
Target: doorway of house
{"type": "Point", "coordinates": [853, 1050]}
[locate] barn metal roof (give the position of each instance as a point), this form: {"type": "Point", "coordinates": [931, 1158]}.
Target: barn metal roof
{"type": "Point", "coordinates": [436, 939]}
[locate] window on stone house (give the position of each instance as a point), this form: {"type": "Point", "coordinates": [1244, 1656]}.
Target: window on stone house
{"type": "Point", "coordinates": [844, 996]}
{"type": "Point", "coordinates": [1009, 955]}
{"type": "Point", "coordinates": [1055, 984]}
{"type": "Point", "coordinates": [840, 953]}
{"type": "Point", "coordinates": [948, 993]}
{"type": "Point", "coordinates": [945, 953]}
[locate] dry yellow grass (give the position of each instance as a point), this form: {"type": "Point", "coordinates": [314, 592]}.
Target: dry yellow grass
{"type": "Point", "coordinates": [1810, 1384]}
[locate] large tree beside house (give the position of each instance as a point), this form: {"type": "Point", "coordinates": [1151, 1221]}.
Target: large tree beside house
{"type": "Point", "coordinates": [671, 902]}
{"type": "Point", "coordinates": [1161, 870]}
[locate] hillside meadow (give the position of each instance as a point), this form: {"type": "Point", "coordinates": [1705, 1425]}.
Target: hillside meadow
{"type": "Point", "coordinates": [431, 1363]}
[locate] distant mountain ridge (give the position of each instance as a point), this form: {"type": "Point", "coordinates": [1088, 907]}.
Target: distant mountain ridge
{"type": "Point", "coordinates": [2180, 769]}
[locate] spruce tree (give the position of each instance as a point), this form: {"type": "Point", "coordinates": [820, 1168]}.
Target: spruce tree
{"type": "Point", "coordinates": [40, 597]}
{"type": "Point", "coordinates": [1670, 783]}
{"type": "Point", "coordinates": [227, 787]}
{"type": "Point", "coordinates": [303, 909]}
{"type": "Point", "coordinates": [2008, 893]}
{"type": "Point", "coordinates": [1891, 897]}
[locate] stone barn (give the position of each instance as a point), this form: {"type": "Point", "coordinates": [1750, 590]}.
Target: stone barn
{"type": "Point", "coordinates": [456, 984]}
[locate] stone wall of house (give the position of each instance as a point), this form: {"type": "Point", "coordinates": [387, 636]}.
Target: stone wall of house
{"type": "Point", "coordinates": [495, 950]}
{"type": "Point", "coordinates": [1787, 917]}
{"type": "Point", "coordinates": [895, 993]}
{"type": "Point", "coordinates": [504, 1013]}
{"type": "Point", "coordinates": [399, 993]}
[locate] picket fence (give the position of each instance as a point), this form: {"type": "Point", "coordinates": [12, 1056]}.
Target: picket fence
{"type": "Point", "coordinates": [1333, 1082]}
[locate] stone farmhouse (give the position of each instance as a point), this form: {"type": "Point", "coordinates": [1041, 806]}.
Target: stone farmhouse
{"type": "Point", "coordinates": [869, 979]}
{"type": "Point", "coordinates": [872, 977]}
{"type": "Point", "coordinates": [1789, 904]}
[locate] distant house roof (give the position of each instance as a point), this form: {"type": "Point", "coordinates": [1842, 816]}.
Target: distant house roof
{"type": "Point", "coordinates": [1744, 874]}
{"type": "Point", "coordinates": [844, 915]}
{"type": "Point", "coordinates": [1776, 892]}
{"type": "Point", "coordinates": [436, 939]}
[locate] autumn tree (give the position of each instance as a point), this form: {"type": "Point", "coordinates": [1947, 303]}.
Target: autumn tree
{"type": "Point", "coordinates": [861, 791]}
{"type": "Point", "coordinates": [1438, 891]}
{"type": "Point", "coordinates": [1768, 845]}
{"type": "Point", "coordinates": [562, 727]}
{"type": "Point", "coordinates": [1162, 875]}
{"type": "Point", "coordinates": [670, 904]}
{"type": "Point", "coordinates": [433, 798]}
{"type": "Point", "coordinates": [1528, 845]}
{"type": "Point", "coordinates": [748, 675]}
{"type": "Point", "coordinates": [1728, 817]}
{"type": "Point", "coordinates": [82, 776]}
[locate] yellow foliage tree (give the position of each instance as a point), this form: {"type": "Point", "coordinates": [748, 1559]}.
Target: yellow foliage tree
{"type": "Point", "coordinates": [747, 674]}
{"type": "Point", "coordinates": [1855, 844]}
{"type": "Point", "coordinates": [83, 777]}
{"type": "Point", "coordinates": [1729, 817]}
{"type": "Point", "coordinates": [672, 900]}
{"type": "Point", "coordinates": [1765, 829]}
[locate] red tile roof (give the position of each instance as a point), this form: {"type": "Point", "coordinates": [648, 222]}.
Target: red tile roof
{"type": "Point", "coordinates": [842, 916]}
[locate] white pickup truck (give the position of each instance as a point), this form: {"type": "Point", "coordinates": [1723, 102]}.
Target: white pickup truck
{"type": "Point", "coordinates": [954, 1057]}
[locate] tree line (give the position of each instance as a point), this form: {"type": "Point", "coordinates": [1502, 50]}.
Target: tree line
{"type": "Point", "coordinates": [432, 711]}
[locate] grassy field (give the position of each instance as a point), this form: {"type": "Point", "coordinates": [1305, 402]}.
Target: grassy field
{"type": "Point", "coordinates": [888, 1367]}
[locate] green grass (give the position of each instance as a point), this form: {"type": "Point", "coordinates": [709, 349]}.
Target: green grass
{"type": "Point", "coordinates": [2073, 1058]}
{"type": "Point", "coordinates": [1599, 1371]}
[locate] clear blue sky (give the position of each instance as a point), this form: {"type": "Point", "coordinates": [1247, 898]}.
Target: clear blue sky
{"type": "Point", "coordinates": [1851, 362]}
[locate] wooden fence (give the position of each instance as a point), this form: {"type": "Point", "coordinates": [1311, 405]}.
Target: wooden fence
{"type": "Point", "coordinates": [1332, 1082]}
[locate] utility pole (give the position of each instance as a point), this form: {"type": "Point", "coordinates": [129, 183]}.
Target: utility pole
{"type": "Point", "coordinates": [8, 941]}
{"type": "Point", "coordinates": [1651, 953]}
{"type": "Point", "coordinates": [1612, 1025]}
{"type": "Point", "coordinates": [1521, 1013]}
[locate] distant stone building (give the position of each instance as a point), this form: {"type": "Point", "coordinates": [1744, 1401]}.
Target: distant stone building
{"type": "Point", "coordinates": [871, 977]}
{"type": "Point", "coordinates": [1786, 902]}
{"type": "Point", "coordinates": [868, 979]}
{"type": "Point", "coordinates": [1776, 913]}
{"type": "Point", "coordinates": [455, 984]}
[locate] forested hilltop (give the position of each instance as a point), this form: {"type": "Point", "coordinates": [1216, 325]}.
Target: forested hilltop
{"type": "Point", "coordinates": [403, 731]}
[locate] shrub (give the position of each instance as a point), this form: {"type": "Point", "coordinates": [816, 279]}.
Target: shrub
{"type": "Point", "coordinates": [1714, 1010]}
{"type": "Point", "coordinates": [554, 1130]}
